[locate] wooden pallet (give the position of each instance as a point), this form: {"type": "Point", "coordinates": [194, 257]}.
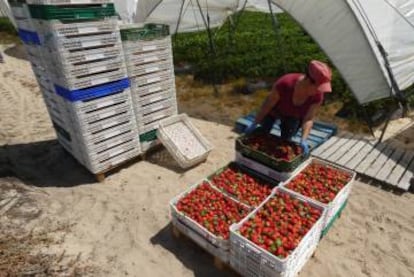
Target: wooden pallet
{"type": "Point", "coordinates": [218, 263]}
{"type": "Point", "coordinates": [100, 177]}
{"type": "Point", "coordinates": [380, 161]}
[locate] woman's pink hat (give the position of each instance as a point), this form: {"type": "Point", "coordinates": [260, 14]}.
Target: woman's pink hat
{"type": "Point", "coordinates": [321, 74]}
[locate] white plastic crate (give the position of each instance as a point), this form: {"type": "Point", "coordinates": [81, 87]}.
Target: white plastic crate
{"type": "Point", "coordinates": [87, 68]}
{"type": "Point", "coordinates": [137, 58]}
{"type": "Point", "coordinates": [95, 138]}
{"type": "Point", "coordinates": [105, 124]}
{"type": "Point", "coordinates": [184, 142]}
{"type": "Point", "coordinates": [223, 255]}
{"type": "Point", "coordinates": [140, 46]}
{"type": "Point", "coordinates": [79, 57]}
{"type": "Point", "coordinates": [138, 70]}
{"type": "Point", "coordinates": [148, 99]}
{"type": "Point", "coordinates": [140, 92]}
{"type": "Point", "coordinates": [267, 171]}
{"type": "Point", "coordinates": [155, 107]}
{"type": "Point", "coordinates": [156, 116]}
{"type": "Point", "coordinates": [250, 260]}
{"type": "Point", "coordinates": [80, 82]}
{"type": "Point", "coordinates": [110, 151]}
{"type": "Point", "coordinates": [333, 207]}
{"type": "Point", "coordinates": [100, 114]}
{"type": "Point", "coordinates": [56, 28]}
{"type": "Point", "coordinates": [157, 77]}
{"type": "Point", "coordinates": [97, 166]}
{"type": "Point", "coordinates": [25, 24]}
{"type": "Point", "coordinates": [63, 44]}
{"type": "Point", "coordinates": [19, 10]}
{"type": "Point", "coordinates": [91, 105]}
{"type": "Point", "coordinates": [68, 2]}
{"type": "Point", "coordinates": [195, 226]}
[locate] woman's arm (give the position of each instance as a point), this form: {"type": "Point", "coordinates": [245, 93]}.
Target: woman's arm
{"type": "Point", "coordinates": [308, 120]}
{"type": "Point", "coordinates": [267, 105]}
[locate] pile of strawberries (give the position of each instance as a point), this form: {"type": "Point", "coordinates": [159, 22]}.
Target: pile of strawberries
{"type": "Point", "coordinates": [273, 146]}
{"type": "Point", "coordinates": [213, 210]}
{"type": "Point", "coordinates": [319, 182]}
{"type": "Point", "coordinates": [280, 224]}
{"type": "Point", "coordinates": [242, 186]}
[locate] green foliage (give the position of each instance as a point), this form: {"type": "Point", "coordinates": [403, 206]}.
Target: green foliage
{"type": "Point", "coordinates": [6, 26]}
{"type": "Point", "coordinates": [254, 50]}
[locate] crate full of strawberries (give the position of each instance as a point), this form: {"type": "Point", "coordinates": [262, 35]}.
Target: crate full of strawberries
{"type": "Point", "coordinates": [322, 183]}
{"type": "Point", "coordinates": [208, 212]}
{"type": "Point", "coordinates": [243, 184]}
{"type": "Point", "coordinates": [278, 237]}
{"type": "Point", "coordinates": [270, 150]}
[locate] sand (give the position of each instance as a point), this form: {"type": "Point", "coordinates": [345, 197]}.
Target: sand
{"type": "Point", "coordinates": [121, 227]}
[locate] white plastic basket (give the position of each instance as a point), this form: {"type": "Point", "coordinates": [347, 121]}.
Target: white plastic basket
{"type": "Point", "coordinates": [223, 255]}
{"type": "Point", "coordinates": [140, 46]}
{"type": "Point", "coordinates": [333, 207]}
{"type": "Point", "coordinates": [78, 43]}
{"type": "Point", "coordinates": [153, 78]}
{"type": "Point", "coordinates": [184, 142]}
{"type": "Point", "coordinates": [194, 226]}
{"type": "Point", "coordinates": [80, 82]}
{"type": "Point", "coordinates": [138, 70]}
{"type": "Point", "coordinates": [142, 91]}
{"type": "Point", "coordinates": [250, 260]}
{"type": "Point", "coordinates": [263, 169]}
{"type": "Point", "coordinates": [78, 57]}
{"type": "Point", "coordinates": [58, 29]}
{"type": "Point", "coordinates": [148, 57]}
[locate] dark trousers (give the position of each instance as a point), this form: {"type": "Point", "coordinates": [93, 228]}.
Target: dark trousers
{"type": "Point", "coordinates": [289, 126]}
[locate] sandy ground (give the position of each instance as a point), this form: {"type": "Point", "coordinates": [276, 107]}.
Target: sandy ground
{"type": "Point", "coordinates": [121, 227]}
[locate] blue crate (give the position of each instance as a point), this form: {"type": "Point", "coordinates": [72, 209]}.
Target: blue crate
{"type": "Point", "coordinates": [93, 92]}
{"type": "Point", "coordinates": [29, 37]}
{"type": "Point", "coordinates": [320, 132]}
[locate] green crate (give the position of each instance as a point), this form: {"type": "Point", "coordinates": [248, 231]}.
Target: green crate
{"type": "Point", "coordinates": [149, 136]}
{"type": "Point", "coordinates": [147, 32]}
{"type": "Point", "coordinates": [72, 12]}
{"type": "Point", "coordinates": [334, 218]}
{"type": "Point", "coordinates": [261, 157]}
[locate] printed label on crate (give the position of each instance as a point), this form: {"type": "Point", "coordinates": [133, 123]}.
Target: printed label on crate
{"type": "Point", "coordinates": [157, 108]}
{"type": "Point", "coordinates": [99, 81]}
{"type": "Point", "coordinates": [112, 134]}
{"type": "Point", "coordinates": [108, 114]}
{"type": "Point", "coordinates": [155, 79]}
{"type": "Point", "coordinates": [94, 57]}
{"type": "Point", "coordinates": [154, 89]}
{"type": "Point", "coordinates": [86, 44]}
{"type": "Point", "coordinates": [152, 69]}
{"type": "Point", "coordinates": [106, 103]}
{"type": "Point", "coordinates": [149, 48]}
{"type": "Point", "coordinates": [98, 69]}
{"type": "Point", "coordinates": [150, 59]}
{"type": "Point", "coordinates": [85, 30]}
{"type": "Point", "coordinates": [156, 98]}
{"type": "Point", "coordinates": [116, 152]}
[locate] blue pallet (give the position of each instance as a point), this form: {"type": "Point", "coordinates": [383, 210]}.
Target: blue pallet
{"type": "Point", "coordinates": [29, 37]}
{"type": "Point", "coordinates": [93, 92]}
{"type": "Point", "coordinates": [320, 132]}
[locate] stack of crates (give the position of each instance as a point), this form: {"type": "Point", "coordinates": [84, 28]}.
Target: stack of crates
{"type": "Point", "coordinates": [149, 60]}
{"type": "Point", "coordinates": [76, 53]}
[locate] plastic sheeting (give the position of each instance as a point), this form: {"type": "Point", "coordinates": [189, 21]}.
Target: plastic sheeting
{"type": "Point", "coordinates": [348, 31]}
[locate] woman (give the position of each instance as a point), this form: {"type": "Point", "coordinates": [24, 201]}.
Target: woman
{"type": "Point", "coordinates": [295, 99]}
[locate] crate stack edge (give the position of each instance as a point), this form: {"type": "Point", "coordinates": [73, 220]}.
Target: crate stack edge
{"type": "Point", "coordinates": [149, 60]}
{"type": "Point", "coordinates": [76, 53]}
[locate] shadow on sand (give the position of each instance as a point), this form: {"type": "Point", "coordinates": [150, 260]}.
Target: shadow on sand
{"type": "Point", "coordinates": [189, 253]}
